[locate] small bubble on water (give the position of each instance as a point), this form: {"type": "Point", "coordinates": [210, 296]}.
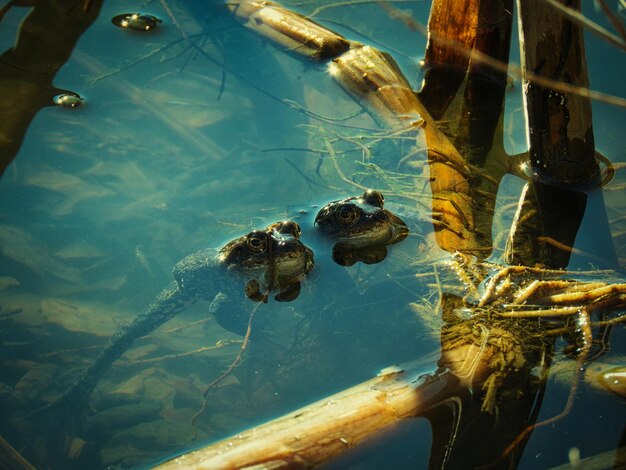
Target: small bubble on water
{"type": "Point", "coordinates": [136, 21]}
{"type": "Point", "coordinates": [68, 100]}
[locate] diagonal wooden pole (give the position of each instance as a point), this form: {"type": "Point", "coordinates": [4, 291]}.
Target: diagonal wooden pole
{"type": "Point", "coordinates": [325, 429]}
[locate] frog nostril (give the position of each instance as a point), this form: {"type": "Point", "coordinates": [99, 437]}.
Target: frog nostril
{"type": "Point", "coordinates": [374, 198]}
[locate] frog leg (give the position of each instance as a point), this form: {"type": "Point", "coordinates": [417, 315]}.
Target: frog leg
{"type": "Point", "coordinates": [289, 293]}
{"type": "Point", "coordinates": [253, 291]}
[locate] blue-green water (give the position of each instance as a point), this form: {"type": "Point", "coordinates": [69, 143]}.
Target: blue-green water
{"type": "Point", "coordinates": [191, 135]}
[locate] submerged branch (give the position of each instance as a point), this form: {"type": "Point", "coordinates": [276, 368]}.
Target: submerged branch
{"type": "Point", "coordinates": [231, 367]}
{"type": "Point", "coordinates": [515, 70]}
{"type": "Point", "coordinates": [219, 345]}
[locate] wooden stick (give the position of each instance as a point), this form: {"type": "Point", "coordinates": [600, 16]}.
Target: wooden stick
{"type": "Point", "coordinates": [327, 428]}
{"type": "Point", "coordinates": [10, 459]}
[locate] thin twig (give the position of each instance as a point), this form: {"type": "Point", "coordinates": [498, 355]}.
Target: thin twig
{"type": "Point", "coordinates": [577, 17]}
{"type": "Point", "coordinates": [231, 367]}
{"type": "Point", "coordinates": [613, 18]}
{"type": "Point", "coordinates": [135, 62]}
{"type": "Point", "coordinates": [512, 69]}
{"type": "Point", "coordinates": [220, 344]}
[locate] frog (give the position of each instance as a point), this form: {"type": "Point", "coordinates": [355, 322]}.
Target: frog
{"type": "Point", "coordinates": [263, 262]}
{"type": "Point", "coordinates": [360, 227]}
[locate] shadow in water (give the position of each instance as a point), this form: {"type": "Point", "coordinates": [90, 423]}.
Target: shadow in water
{"type": "Point", "coordinates": [44, 43]}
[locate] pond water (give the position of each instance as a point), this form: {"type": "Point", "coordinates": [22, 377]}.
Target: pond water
{"type": "Point", "coordinates": [191, 135]}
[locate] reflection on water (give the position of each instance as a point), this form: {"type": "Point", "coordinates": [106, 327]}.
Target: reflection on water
{"type": "Point", "coordinates": [191, 135]}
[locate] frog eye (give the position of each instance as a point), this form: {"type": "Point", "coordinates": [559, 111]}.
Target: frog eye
{"type": "Point", "coordinates": [287, 227]}
{"type": "Point", "coordinates": [291, 228]}
{"type": "Point", "coordinates": [373, 198]}
{"type": "Point", "coordinates": [347, 215]}
{"type": "Point", "coordinates": [257, 241]}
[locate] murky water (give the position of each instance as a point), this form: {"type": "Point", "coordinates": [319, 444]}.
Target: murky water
{"type": "Point", "coordinates": [193, 134]}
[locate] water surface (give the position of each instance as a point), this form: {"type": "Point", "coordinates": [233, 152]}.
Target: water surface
{"type": "Point", "coordinates": [191, 135]}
